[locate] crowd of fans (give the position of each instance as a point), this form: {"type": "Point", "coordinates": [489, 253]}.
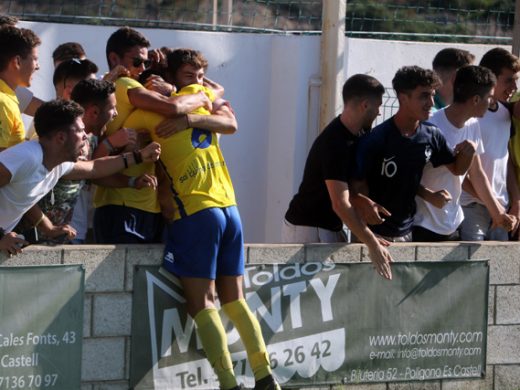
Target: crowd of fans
{"type": "Point", "coordinates": [139, 147]}
{"type": "Point", "coordinates": [146, 136]}
{"type": "Point", "coordinates": [444, 167]}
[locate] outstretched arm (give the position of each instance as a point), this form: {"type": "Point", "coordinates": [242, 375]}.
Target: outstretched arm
{"type": "Point", "coordinates": [339, 196]}
{"type": "Point", "coordinates": [167, 106]}
{"type": "Point", "coordinates": [106, 166]}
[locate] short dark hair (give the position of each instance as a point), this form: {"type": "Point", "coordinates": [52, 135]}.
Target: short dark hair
{"type": "Point", "coordinates": [179, 57]}
{"type": "Point", "coordinates": [67, 51]}
{"type": "Point", "coordinates": [92, 91]}
{"type": "Point", "coordinates": [497, 59]}
{"type": "Point", "coordinates": [73, 69]}
{"type": "Point", "coordinates": [408, 78]}
{"type": "Point", "coordinates": [8, 20]}
{"type": "Point", "coordinates": [362, 86]}
{"type": "Point", "coordinates": [450, 58]}
{"type": "Point", "coordinates": [472, 80]}
{"type": "Point", "coordinates": [55, 115]}
{"type": "Point", "coordinates": [16, 41]}
{"type": "Point", "coordinates": [123, 40]}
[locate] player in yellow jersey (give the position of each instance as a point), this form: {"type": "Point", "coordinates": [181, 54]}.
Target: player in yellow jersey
{"type": "Point", "coordinates": [204, 242]}
{"type": "Point", "coordinates": [18, 62]}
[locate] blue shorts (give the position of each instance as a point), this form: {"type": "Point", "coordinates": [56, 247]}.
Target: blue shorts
{"type": "Point", "coordinates": [206, 244]}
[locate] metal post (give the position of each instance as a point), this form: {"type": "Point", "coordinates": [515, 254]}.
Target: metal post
{"type": "Point", "coordinates": [227, 13]}
{"type": "Point", "coordinates": [332, 59]}
{"type": "Point", "coordinates": [214, 16]}
{"type": "Point", "coordinates": [516, 30]}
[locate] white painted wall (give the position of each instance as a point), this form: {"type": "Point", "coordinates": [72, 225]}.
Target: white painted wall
{"type": "Point", "coordinates": [273, 83]}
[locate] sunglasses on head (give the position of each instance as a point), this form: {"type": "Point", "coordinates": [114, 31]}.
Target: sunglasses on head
{"type": "Point", "coordinates": [136, 62]}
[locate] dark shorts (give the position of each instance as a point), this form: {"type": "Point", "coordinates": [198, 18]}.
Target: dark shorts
{"type": "Point", "coordinates": [206, 244]}
{"type": "Point", "coordinates": [421, 234]}
{"type": "Point", "coordinates": [126, 225]}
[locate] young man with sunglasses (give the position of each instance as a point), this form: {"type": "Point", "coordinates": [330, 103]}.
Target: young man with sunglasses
{"type": "Point", "coordinates": [126, 215]}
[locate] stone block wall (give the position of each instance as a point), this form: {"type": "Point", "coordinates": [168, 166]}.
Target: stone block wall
{"type": "Point", "coordinates": [108, 302]}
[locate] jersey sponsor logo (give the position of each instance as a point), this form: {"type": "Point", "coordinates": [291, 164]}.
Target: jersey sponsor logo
{"type": "Point", "coordinates": [201, 139]}
{"type": "Point", "coordinates": [388, 167]}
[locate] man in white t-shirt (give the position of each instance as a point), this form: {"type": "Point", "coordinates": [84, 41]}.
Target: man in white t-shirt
{"type": "Point", "coordinates": [439, 212]}
{"type": "Point", "coordinates": [495, 128]}
{"type": "Point", "coordinates": [31, 169]}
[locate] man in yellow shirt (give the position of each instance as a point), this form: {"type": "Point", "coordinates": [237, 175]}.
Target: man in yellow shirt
{"type": "Point", "coordinates": [18, 62]}
{"type": "Point", "coordinates": [204, 245]}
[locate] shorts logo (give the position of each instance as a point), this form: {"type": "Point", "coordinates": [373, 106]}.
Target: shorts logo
{"type": "Point", "coordinates": [201, 139]}
{"type": "Point", "coordinates": [169, 257]}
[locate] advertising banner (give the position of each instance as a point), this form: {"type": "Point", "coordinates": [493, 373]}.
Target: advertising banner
{"type": "Point", "coordinates": [324, 323]}
{"type": "Point", "coordinates": [41, 326]}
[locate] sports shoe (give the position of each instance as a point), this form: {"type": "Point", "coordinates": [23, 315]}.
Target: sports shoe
{"type": "Point", "coordinates": [267, 383]}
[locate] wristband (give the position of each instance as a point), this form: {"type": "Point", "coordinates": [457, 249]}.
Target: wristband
{"type": "Point", "coordinates": [131, 181]}
{"type": "Point", "coordinates": [125, 160]}
{"type": "Point", "coordinates": [108, 145]}
{"type": "Point", "coordinates": [138, 157]}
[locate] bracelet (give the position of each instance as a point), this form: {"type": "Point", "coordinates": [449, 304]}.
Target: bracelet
{"type": "Point", "coordinates": [125, 160]}
{"type": "Point", "coordinates": [40, 220]}
{"type": "Point", "coordinates": [138, 157]}
{"type": "Point", "coordinates": [131, 181]}
{"type": "Point", "coordinates": [188, 121]}
{"type": "Point", "coordinates": [108, 145]}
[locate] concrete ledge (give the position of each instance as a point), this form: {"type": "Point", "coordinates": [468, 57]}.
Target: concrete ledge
{"type": "Point", "coordinates": [109, 271]}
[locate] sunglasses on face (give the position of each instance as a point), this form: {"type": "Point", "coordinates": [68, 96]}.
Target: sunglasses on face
{"type": "Point", "coordinates": [136, 62]}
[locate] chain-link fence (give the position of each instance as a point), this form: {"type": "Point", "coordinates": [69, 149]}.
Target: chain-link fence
{"type": "Point", "coordinates": [475, 21]}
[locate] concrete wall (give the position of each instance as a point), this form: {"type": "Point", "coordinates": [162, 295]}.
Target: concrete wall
{"type": "Point", "coordinates": [273, 83]}
{"type": "Point", "coordinates": [108, 302]}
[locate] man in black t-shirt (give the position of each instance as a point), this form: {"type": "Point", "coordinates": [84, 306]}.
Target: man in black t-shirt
{"type": "Point", "coordinates": [321, 206]}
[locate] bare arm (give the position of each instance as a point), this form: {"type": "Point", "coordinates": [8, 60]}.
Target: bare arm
{"type": "Point", "coordinates": [38, 219]}
{"type": "Point", "coordinates": [482, 188]}
{"type": "Point", "coordinates": [370, 211]}
{"type": "Point", "coordinates": [218, 89]}
{"type": "Point", "coordinates": [339, 196]}
{"type": "Point", "coordinates": [464, 156]}
{"type": "Point", "coordinates": [222, 121]}
{"type": "Point", "coordinates": [122, 138]}
{"type": "Point", "coordinates": [106, 166]}
{"type": "Point", "coordinates": [167, 106]}
{"type": "Point", "coordinates": [438, 199]}
{"type": "Point", "coordinates": [118, 180]}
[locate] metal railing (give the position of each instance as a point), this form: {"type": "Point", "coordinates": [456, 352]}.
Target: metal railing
{"type": "Point", "coordinates": [475, 21]}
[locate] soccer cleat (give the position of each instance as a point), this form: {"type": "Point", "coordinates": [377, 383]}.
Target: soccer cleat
{"type": "Point", "coordinates": [267, 383]}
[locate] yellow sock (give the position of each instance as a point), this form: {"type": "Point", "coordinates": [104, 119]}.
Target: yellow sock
{"type": "Point", "coordinates": [251, 335]}
{"type": "Point", "coordinates": [214, 341]}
